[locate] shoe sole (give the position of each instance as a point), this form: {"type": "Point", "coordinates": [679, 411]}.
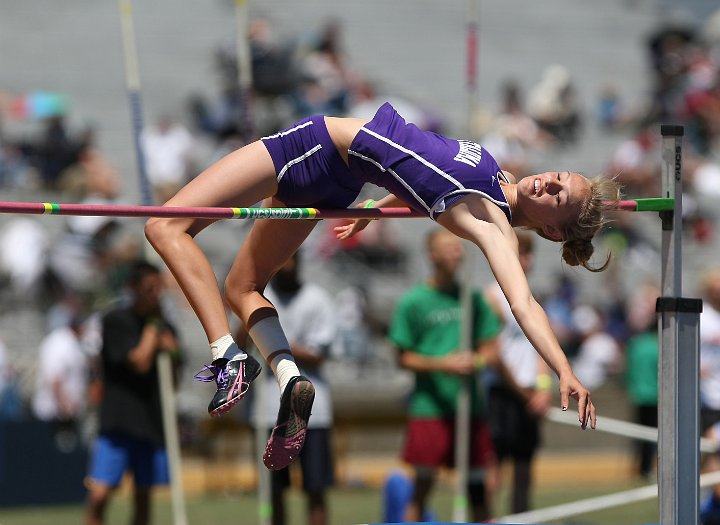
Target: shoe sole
{"type": "Point", "coordinates": [301, 401]}
{"type": "Point", "coordinates": [225, 407]}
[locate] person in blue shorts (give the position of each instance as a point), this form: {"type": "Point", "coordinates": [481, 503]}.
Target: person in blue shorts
{"type": "Point", "coordinates": [130, 437]}
{"type": "Point", "coordinates": [324, 162]}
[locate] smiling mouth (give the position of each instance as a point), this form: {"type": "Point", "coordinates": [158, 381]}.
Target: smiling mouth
{"type": "Point", "coordinates": [537, 185]}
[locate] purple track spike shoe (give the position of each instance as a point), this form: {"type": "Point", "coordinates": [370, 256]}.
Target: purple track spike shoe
{"type": "Point", "coordinates": [288, 436]}
{"type": "Point", "coordinates": [233, 381]}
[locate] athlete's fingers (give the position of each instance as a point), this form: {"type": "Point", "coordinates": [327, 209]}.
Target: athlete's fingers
{"type": "Point", "coordinates": [583, 399]}
{"type": "Point", "coordinates": [564, 397]}
{"type": "Point", "coordinates": [590, 414]}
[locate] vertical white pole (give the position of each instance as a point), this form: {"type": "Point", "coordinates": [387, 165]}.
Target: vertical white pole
{"type": "Point", "coordinates": [132, 84]}
{"type": "Point", "coordinates": [471, 81]}
{"type": "Point", "coordinates": [172, 440]}
{"type": "Point", "coordinates": [167, 395]}
{"type": "Point", "coordinates": [463, 411]}
{"type": "Point", "coordinates": [244, 62]}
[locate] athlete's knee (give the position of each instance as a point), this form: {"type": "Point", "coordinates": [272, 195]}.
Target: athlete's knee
{"type": "Point", "coordinates": [237, 289]}
{"type": "Point", "coordinates": [157, 230]}
{"type": "Point", "coordinates": [160, 231]}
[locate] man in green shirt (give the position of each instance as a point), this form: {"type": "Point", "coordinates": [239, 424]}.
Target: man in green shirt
{"type": "Point", "coordinates": [426, 329]}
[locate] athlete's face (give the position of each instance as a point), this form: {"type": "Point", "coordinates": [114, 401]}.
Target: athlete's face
{"type": "Point", "coordinates": [553, 199]}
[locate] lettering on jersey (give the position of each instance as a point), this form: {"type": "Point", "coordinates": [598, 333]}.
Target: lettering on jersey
{"type": "Point", "coordinates": [443, 316]}
{"type": "Point", "coordinates": [470, 153]}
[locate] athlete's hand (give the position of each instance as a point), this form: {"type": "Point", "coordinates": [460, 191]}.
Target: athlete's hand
{"type": "Point", "coordinates": [570, 386]}
{"type": "Point", "coordinates": [348, 230]}
{"type": "Point", "coordinates": [354, 227]}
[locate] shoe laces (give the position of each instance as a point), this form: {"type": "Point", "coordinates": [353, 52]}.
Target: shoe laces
{"type": "Point", "coordinates": [219, 374]}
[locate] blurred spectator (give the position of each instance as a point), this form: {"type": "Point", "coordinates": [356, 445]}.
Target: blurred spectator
{"type": "Point", "coordinates": [10, 401]}
{"type": "Point", "coordinates": [515, 415]}
{"type": "Point", "coordinates": [61, 379]}
{"type": "Point", "coordinates": [81, 255]}
{"type": "Point", "coordinates": [15, 169]}
{"type": "Point", "coordinates": [352, 343]}
{"type": "Point", "coordinates": [513, 134]}
{"type": "Point", "coordinates": [710, 506]}
{"type": "Point", "coordinates": [78, 255]}
{"type": "Point", "coordinates": [706, 180]}
{"type": "Point", "coordinates": [598, 354]}
{"type": "Point", "coordinates": [274, 70]}
{"type": "Point", "coordinates": [700, 107]}
{"type": "Point", "coordinates": [308, 318]}
{"type": "Point", "coordinates": [641, 370]}
{"type": "Point", "coordinates": [666, 46]}
{"type": "Point", "coordinates": [559, 305]}
{"type": "Point", "coordinates": [167, 146]}
{"type": "Point", "coordinates": [327, 81]}
{"type": "Point", "coordinates": [610, 110]}
{"type": "Point", "coordinates": [131, 430]}
{"type": "Point", "coordinates": [554, 105]}
{"type": "Point", "coordinates": [24, 244]}
{"type": "Point", "coordinates": [55, 151]}
{"type": "Point", "coordinates": [92, 175]}
{"type": "Point", "coordinates": [636, 163]}
{"type": "Point", "coordinates": [426, 330]}
{"type": "Point", "coordinates": [275, 74]}
{"type": "Point", "coordinates": [710, 349]}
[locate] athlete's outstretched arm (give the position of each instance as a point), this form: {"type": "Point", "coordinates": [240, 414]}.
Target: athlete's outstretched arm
{"type": "Point", "coordinates": [485, 225]}
{"type": "Point", "coordinates": [357, 225]}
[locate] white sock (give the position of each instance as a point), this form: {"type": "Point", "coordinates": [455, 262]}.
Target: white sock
{"type": "Point", "coordinates": [285, 370]}
{"type": "Point", "coordinates": [273, 345]}
{"type": "Point", "coordinates": [225, 348]}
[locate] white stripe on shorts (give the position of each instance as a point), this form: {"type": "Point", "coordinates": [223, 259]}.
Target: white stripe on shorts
{"type": "Point", "coordinates": [298, 159]}
{"type": "Point", "coordinates": [289, 131]}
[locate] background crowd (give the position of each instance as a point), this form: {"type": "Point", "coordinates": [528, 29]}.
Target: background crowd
{"type": "Point", "coordinates": [57, 279]}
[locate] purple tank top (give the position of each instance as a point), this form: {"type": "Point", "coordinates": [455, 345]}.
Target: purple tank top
{"type": "Point", "coordinates": [424, 169]}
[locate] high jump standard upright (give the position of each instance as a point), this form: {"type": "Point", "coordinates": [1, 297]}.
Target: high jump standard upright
{"type": "Point", "coordinates": [678, 363]}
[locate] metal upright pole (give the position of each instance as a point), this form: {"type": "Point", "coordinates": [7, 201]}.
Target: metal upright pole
{"type": "Point", "coordinates": [132, 84]}
{"type": "Point", "coordinates": [164, 369]}
{"type": "Point", "coordinates": [678, 325]}
{"type": "Point", "coordinates": [244, 67]}
{"type": "Point", "coordinates": [463, 409]}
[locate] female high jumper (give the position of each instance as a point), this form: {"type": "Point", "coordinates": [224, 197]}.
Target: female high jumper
{"type": "Point", "coordinates": [323, 162]}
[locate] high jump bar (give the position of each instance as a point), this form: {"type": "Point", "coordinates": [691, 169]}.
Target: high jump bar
{"type": "Point", "coordinates": [50, 208]}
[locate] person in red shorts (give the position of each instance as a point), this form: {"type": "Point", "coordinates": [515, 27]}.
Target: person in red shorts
{"type": "Point", "coordinates": [426, 330]}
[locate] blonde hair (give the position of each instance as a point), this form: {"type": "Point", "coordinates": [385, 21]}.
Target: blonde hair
{"type": "Point", "coordinates": [577, 235]}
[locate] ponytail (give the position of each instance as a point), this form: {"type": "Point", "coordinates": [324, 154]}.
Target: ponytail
{"type": "Point", "coordinates": [577, 246]}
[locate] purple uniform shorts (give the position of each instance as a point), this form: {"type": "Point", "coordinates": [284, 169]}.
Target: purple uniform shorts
{"type": "Point", "coordinates": [309, 168]}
